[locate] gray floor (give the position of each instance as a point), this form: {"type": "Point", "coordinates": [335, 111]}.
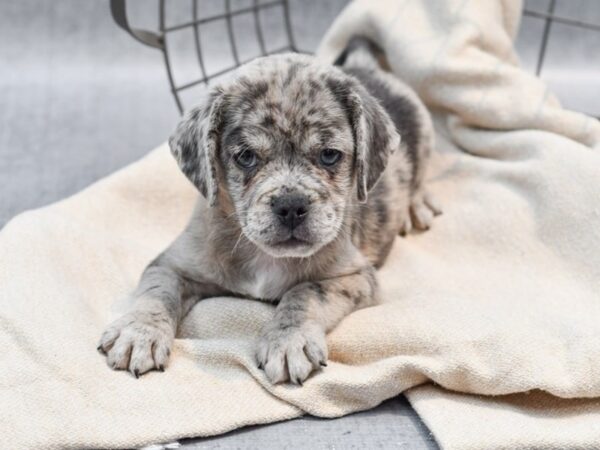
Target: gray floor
{"type": "Point", "coordinates": [392, 425]}
{"type": "Point", "coordinates": [80, 99]}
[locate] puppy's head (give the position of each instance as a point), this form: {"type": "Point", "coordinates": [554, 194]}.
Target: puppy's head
{"type": "Point", "coordinates": [288, 143]}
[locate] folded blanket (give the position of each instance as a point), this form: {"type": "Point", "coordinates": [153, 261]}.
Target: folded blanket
{"type": "Point", "coordinates": [509, 291]}
{"type": "Point", "coordinates": [501, 297]}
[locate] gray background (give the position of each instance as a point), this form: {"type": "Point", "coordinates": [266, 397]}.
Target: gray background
{"type": "Point", "coordinates": [79, 99]}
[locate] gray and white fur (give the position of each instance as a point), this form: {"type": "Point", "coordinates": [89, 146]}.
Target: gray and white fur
{"type": "Point", "coordinates": [305, 184]}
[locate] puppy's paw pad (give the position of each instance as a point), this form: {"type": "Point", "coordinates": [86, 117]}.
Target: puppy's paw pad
{"type": "Point", "coordinates": [139, 341]}
{"type": "Point", "coordinates": [291, 353]}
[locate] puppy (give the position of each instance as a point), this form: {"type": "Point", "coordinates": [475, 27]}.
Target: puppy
{"type": "Point", "coordinates": [305, 184]}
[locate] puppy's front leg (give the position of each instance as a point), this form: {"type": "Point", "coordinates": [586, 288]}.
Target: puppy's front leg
{"type": "Point", "coordinates": [141, 340]}
{"type": "Point", "coordinates": [293, 344]}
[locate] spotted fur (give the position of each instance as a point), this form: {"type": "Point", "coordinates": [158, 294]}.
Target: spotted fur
{"type": "Point", "coordinates": [281, 112]}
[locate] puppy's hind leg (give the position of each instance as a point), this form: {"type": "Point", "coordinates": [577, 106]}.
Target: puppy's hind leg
{"type": "Point", "coordinates": [423, 208]}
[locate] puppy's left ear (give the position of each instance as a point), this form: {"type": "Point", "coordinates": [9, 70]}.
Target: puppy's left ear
{"type": "Point", "coordinates": [375, 135]}
{"type": "Point", "coordinates": [195, 144]}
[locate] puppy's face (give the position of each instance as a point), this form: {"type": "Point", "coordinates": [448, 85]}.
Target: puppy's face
{"type": "Point", "coordinates": [283, 140]}
{"type": "Point", "coordinates": [288, 154]}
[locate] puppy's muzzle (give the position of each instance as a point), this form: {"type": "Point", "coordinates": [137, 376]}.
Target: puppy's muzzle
{"type": "Point", "coordinates": [290, 209]}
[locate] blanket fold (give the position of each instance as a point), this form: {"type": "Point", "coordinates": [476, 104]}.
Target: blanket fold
{"type": "Point", "coordinates": [500, 298]}
{"type": "Point", "coordinates": [525, 175]}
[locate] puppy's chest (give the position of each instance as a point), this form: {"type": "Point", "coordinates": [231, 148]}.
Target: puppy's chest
{"type": "Point", "coordinates": [264, 279]}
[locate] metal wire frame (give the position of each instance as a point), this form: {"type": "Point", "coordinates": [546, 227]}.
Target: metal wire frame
{"type": "Point", "coordinates": [159, 39]}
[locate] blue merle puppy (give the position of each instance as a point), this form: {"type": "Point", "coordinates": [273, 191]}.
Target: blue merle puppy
{"type": "Point", "coordinates": [305, 185]}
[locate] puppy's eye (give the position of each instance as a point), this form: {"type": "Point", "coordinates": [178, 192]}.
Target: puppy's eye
{"type": "Point", "coordinates": [246, 159]}
{"type": "Point", "coordinates": [330, 157]}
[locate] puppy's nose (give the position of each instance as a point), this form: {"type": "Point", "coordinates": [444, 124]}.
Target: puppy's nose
{"type": "Point", "coordinates": [291, 209]}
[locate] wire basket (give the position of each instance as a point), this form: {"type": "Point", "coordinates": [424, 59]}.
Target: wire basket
{"type": "Point", "coordinates": [160, 39]}
{"type": "Point", "coordinates": [193, 20]}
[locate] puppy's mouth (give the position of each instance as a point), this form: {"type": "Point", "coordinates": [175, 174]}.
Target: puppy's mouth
{"type": "Point", "coordinates": [291, 243]}
{"type": "Point", "coordinates": [290, 246]}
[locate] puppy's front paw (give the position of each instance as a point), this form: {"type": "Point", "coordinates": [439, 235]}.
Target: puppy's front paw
{"type": "Point", "coordinates": [139, 341]}
{"type": "Point", "coordinates": [291, 352]}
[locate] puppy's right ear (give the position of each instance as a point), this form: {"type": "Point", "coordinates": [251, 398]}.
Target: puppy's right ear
{"type": "Point", "coordinates": [195, 144]}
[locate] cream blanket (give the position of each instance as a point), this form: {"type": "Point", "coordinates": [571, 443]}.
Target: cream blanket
{"type": "Point", "coordinates": [501, 297]}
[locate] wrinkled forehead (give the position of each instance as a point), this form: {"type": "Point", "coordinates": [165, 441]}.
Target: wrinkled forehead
{"type": "Point", "coordinates": [285, 101]}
